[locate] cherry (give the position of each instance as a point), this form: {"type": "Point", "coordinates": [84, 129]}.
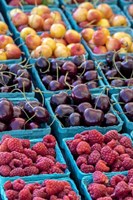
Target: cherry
{"type": "Point", "coordinates": [63, 111]}
{"type": "Point", "coordinates": [77, 60]}
{"type": "Point", "coordinates": [93, 117]}
{"type": "Point", "coordinates": [23, 84]}
{"type": "Point", "coordinates": [57, 99]}
{"type": "Point", "coordinates": [80, 93]}
{"type": "Point", "coordinates": [3, 67]}
{"type": "Point", "coordinates": [110, 55]}
{"type": "Point", "coordinates": [62, 81]}
{"type": "Point", "coordinates": [83, 106]}
{"type": "Point", "coordinates": [6, 89]}
{"type": "Point", "coordinates": [3, 127]}
{"type": "Point", "coordinates": [110, 119]}
{"type": "Point", "coordinates": [55, 85]}
{"type": "Point", "coordinates": [128, 109]}
{"type": "Point", "coordinates": [102, 102]}
{"type": "Point", "coordinates": [90, 75]}
{"type": "Point", "coordinates": [47, 79]}
{"type": "Point", "coordinates": [17, 112]}
{"type": "Point", "coordinates": [92, 84]}
{"type": "Point", "coordinates": [23, 73]}
{"type": "Point", "coordinates": [28, 107]}
{"type": "Point", "coordinates": [5, 79]}
{"type": "Point", "coordinates": [129, 82]}
{"type": "Point", "coordinates": [14, 68]}
{"type": "Point", "coordinates": [69, 67]}
{"type": "Point", "coordinates": [87, 66]}
{"type": "Point", "coordinates": [17, 124]}
{"type": "Point", "coordinates": [55, 65]}
{"type": "Point", "coordinates": [41, 114]}
{"type": "Point", "coordinates": [127, 68]}
{"type": "Point", "coordinates": [41, 64]}
{"type": "Point", "coordinates": [117, 83]}
{"type": "Point", "coordinates": [77, 82]}
{"type": "Point", "coordinates": [74, 119]}
{"type": "Point", "coordinates": [126, 95]}
{"type": "Point", "coordinates": [6, 110]}
{"type": "Point", "coordinates": [111, 74]}
{"type": "Point", "coordinates": [32, 125]}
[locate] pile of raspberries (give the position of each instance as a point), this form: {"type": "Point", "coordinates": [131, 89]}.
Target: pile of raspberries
{"type": "Point", "coordinates": [118, 187]}
{"type": "Point", "coordinates": [18, 158]}
{"type": "Point", "coordinates": [48, 190]}
{"type": "Point", "coordinates": [93, 151]}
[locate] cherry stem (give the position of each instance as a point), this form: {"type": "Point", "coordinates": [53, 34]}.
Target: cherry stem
{"type": "Point", "coordinates": [99, 97]}
{"type": "Point", "coordinates": [29, 119]}
{"type": "Point", "coordinates": [40, 92]}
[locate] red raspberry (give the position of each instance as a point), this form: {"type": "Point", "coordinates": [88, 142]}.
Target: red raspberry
{"type": "Point", "coordinates": [5, 170]}
{"type": "Point", "coordinates": [31, 170]}
{"type": "Point", "coordinates": [94, 157]}
{"type": "Point", "coordinates": [120, 149]}
{"type": "Point", "coordinates": [11, 194]}
{"type": "Point", "coordinates": [116, 179]}
{"type": "Point", "coordinates": [25, 194]}
{"type": "Point", "coordinates": [96, 147]}
{"type": "Point", "coordinates": [94, 136]}
{"type": "Point", "coordinates": [49, 141]}
{"type": "Point", "coordinates": [61, 166]}
{"type": "Point", "coordinates": [97, 190]}
{"type": "Point", "coordinates": [15, 163]}
{"type": "Point", "coordinates": [83, 147]}
{"type": "Point", "coordinates": [8, 185]}
{"type": "Point", "coordinates": [38, 198]}
{"type": "Point", "coordinates": [108, 155]}
{"type": "Point", "coordinates": [127, 163]}
{"type": "Point", "coordinates": [116, 165]}
{"type": "Point", "coordinates": [52, 158]}
{"type": "Point", "coordinates": [3, 146]}
{"type": "Point", "coordinates": [78, 136]}
{"type": "Point", "coordinates": [45, 164]}
{"type": "Point", "coordinates": [130, 174]}
{"type": "Point", "coordinates": [17, 172]}
{"type": "Point", "coordinates": [14, 144]}
{"type": "Point", "coordinates": [121, 190]}
{"type": "Point", "coordinates": [40, 193]}
{"type": "Point", "coordinates": [80, 160]}
{"type": "Point", "coordinates": [25, 143]}
{"type": "Point", "coordinates": [113, 134]}
{"type": "Point", "coordinates": [30, 187]}
{"type": "Point", "coordinates": [5, 158]}
{"type": "Point", "coordinates": [126, 142]}
{"type": "Point", "coordinates": [72, 195]}
{"type": "Point", "coordinates": [53, 197]}
{"type": "Point", "coordinates": [129, 152]}
{"type": "Point", "coordinates": [55, 169]}
{"type": "Point", "coordinates": [53, 187]}
{"type": "Point", "coordinates": [112, 144]}
{"type": "Point", "coordinates": [87, 168]}
{"type": "Point", "coordinates": [99, 177]}
{"type": "Point", "coordinates": [123, 156]}
{"type": "Point", "coordinates": [27, 162]}
{"type": "Point", "coordinates": [131, 180]}
{"type": "Point", "coordinates": [31, 154]}
{"type": "Point", "coordinates": [51, 152]}
{"type": "Point", "coordinates": [19, 156]}
{"type": "Point", "coordinates": [128, 198]}
{"type": "Point", "coordinates": [40, 148]}
{"type": "Point", "coordinates": [104, 198]}
{"type": "Point", "coordinates": [110, 190]}
{"type": "Point", "coordinates": [18, 184]}
{"type": "Point", "coordinates": [73, 145]}
{"type": "Point", "coordinates": [102, 166]}
{"type": "Point", "coordinates": [5, 136]}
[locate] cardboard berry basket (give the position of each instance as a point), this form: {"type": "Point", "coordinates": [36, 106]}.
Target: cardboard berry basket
{"type": "Point", "coordinates": [123, 3]}
{"type": "Point", "coordinates": [59, 158]}
{"type": "Point", "coordinates": [73, 166]}
{"type": "Point", "coordinates": [27, 134]}
{"type": "Point", "coordinates": [88, 180]}
{"type": "Point", "coordinates": [17, 33]}
{"type": "Point", "coordinates": [103, 56]}
{"type": "Point", "coordinates": [128, 125]}
{"type": "Point", "coordinates": [68, 2]}
{"type": "Point", "coordinates": [69, 9]}
{"type": "Point", "coordinates": [125, 9]}
{"type": "Point", "coordinates": [66, 132]}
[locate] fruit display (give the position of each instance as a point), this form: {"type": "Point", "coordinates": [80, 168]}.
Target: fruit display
{"type": "Point", "coordinates": [65, 2]}
{"type": "Point", "coordinates": [81, 108]}
{"type": "Point", "coordinates": [64, 74]}
{"type": "Point", "coordinates": [102, 40]}
{"type": "Point", "coordinates": [93, 151]}
{"type": "Point", "coordinates": [103, 15]}
{"type": "Point", "coordinates": [22, 115]}
{"type": "Point", "coordinates": [115, 187]}
{"type": "Point", "coordinates": [21, 157]}
{"type": "Point", "coordinates": [22, 3]}
{"type": "Point", "coordinates": [47, 189]}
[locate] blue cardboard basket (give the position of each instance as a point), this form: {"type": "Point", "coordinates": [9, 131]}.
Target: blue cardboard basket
{"type": "Point", "coordinates": [27, 134]}
{"type": "Point", "coordinates": [128, 125]}
{"type": "Point", "coordinates": [74, 24]}
{"type": "Point", "coordinates": [59, 158]}
{"type": "Point", "coordinates": [68, 2]}
{"type": "Point", "coordinates": [66, 132]}
{"type": "Point", "coordinates": [47, 93]}
{"type": "Point", "coordinates": [88, 180]}
{"type": "Point", "coordinates": [125, 9]}
{"type": "Point", "coordinates": [123, 3]}
{"type": "Point", "coordinates": [40, 180]}
{"type": "Point", "coordinates": [103, 56]}
{"type": "Point", "coordinates": [73, 166]}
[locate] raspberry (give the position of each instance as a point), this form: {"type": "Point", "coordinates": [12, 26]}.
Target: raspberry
{"type": "Point", "coordinates": [113, 134]}
{"type": "Point", "coordinates": [31, 170]}
{"type": "Point", "coordinates": [14, 144]}
{"type": "Point", "coordinates": [38, 198]}
{"type": "Point", "coordinates": [99, 177]}
{"type": "Point", "coordinates": [120, 149]}
{"type": "Point", "coordinates": [104, 198]}
{"type": "Point", "coordinates": [96, 147]}
{"type": "Point", "coordinates": [25, 195]}
{"type": "Point", "coordinates": [30, 187]}
{"type": "Point", "coordinates": [87, 168]}
{"type": "Point", "coordinates": [128, 198]}
{"type": "Point", "coordinates": [5, 158]}
{"type": "Point", "coordinates": [130, 174]}
{"type": "Point", "coordinates": [45, 164]}
{"type": "Point", "coordinates": [80, 160]}
{"type": "Point", "coordinates": [116, 165]}
{"type": "Point", "coordinates": [27, 162]}
{"type": "Point", "coordinates": [55, 169]}
{"type": "Point", "coordinates": [54, 187]}
{"type": "Point", "coordinates": [102, 166]}
{"type": "Point", "coordinates": [11, 194]}
{"type": "Point", "coordinates": [5, 136]}
{"type": "Point", "coordinates": [61, 166]}
{"type": "Point", "coordinates": [112, 144]}
{"type": "Point", "coordinates": [123, 156]}
{"type": "Point", "coordinates": [121, 190]}
{"type": "Point", "coordinates": [94, 136]}
{"type": "Point", "coordinates": [18, 184]}
{"type": "Point", "coordinates": [97, 190]}
{"type": "Point", "coordinates": [17, 172]}
{"type": "Point", "coordinates": [40, 148]}
{"type": "Point", "coordinates": [52, 158]}
{"type": "Point", "coordinates": [83, 147]}
{"type": "Point", "coordinates": [127, 163]}
{"type": "Point", "coordinates": [40, 193]}
{"type": "Point", "coordinates": [131, 180]}
{"type": "Point", "coordinates": [116, 179]}
{"type": "Point", "coordinates": [72, 195]}
{"type": "Point", "coordinates": [8, 185]}
{"type": "Point", "coordinates": [94, 157]}
{"type": "Point", "coordinates": [129, 152]}
{"type": "Point", "coordinates": [126, 142]}
{"type": "Point", "coordinates": [15, 163]}
{"type": "Point", "coordinates": [73, 145]}
{"type": "Point", "coordinates": [3, 146]}
{"type": "Point", "coordinates": [5, 170]}
{"type": "Point", "coordinates": [30, 154]}
{"type": "Point", "coordinates": [19, 156]}
{"type": "Point", "coordinates": [108, 155]}
{"type": "Point", "coordinates": [78, 136]}
{"type": "Point", "coordinates": [49, 141]}
{"type": "Point", "coordinates": [51, 152]}
{"type": "Point", "coordinates": [110, 190]}
{"type": "Point", "coordinates": [25, 143]}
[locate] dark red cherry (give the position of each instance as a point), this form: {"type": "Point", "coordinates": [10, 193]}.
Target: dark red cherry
{"type": "Point", "coordinates": [74, 119]}
{"type": "Point", "coordinates": [110, 56]}
{"type": "Point", "coordinates": [23, 73]}
{"type": "Point", "coordinates": [64, 81]}
{"type": "Point", "coordinates": [41, 64]}
{"type": "Point", "coordinates": [41, 114]}
{"type": "Point", "coordinates": [70, 68]}
{"type": "Point", "coordinates": [102, 102]}
{"type": "Point", "coordinates": [55, 85]}
{"type": "Point", "coordinates": [77, 82]}
{"type": "Point", "coordinates": [126, 95]}
{"type": "Point", "coordinates": [117, 83]}
{"type": "Point", "coordinates": [3, 127]}
{"type": "Point", "coordinates": [111, 74]}
{"type": "Point", "coordinates": [47, 79]}
{"type": "Point", "coordinates": [17, 112]}
{"type": "Point", "coordinates": [86, 66]}
{"type": "Point", "coordinates": [128, 109]}
{"type": "Point", "coordinates": [63, 111]}
{"type": "Point", "coordinates": [24, 84]}
{"type": "Point", "coordinates": [92, 85]}
{"type": "Point", "coordinates": [127, 68]}
{"type": "Point", "coordinates": [14, 68]}
{"type": "Point", "coordinates": [6, 89]}
{"type": "Point", "coordinates": [78, 60]}
{"type": "Point", "coordinates": [56, 65]}
{"type": "Point", "coordinates": [58, 99]}
{"type": "Point", "coordinates": [32, 125]}
{"type": "Point", "coordinates": [17, 124]}
{"type": "Point", "coordinates": [110, 119]}
{"type": "Point", "coordinates": [28, 107]}
{"type": "Point", "coordinates": [83, 106]}
{"type": "Point", "coordinates": [90, 76]}
{"type": "Point", "coordinates": [129, 82]}
{"type": "Point", "coordinates": [6, 110]}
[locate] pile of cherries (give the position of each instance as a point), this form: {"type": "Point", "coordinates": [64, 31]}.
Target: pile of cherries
{"type": "Point", "coordinates": [83, 109]}
{"type": "Point", "coordinates": [118, 70]}
{"type": "Point", "coordinates": [62, 74]}
{"type": "Point", "coordinates": [14, 77]}
{"type": "Point", "coordinates": [25, 115]}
